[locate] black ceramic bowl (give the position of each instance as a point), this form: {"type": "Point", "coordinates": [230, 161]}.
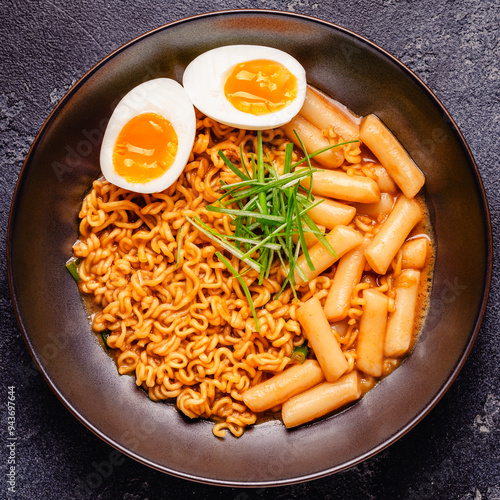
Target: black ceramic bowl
{"type": "Point", "coordinates": [43, 226]}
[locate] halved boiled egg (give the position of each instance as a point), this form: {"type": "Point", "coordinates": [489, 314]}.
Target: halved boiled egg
{"type": "Point", "coordinates": [149, 137]}
{"type": "Point", "coordinates": [246, 86]}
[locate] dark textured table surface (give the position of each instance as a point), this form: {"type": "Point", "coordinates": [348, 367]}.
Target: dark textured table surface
{"type": "Point", "coordinates": [453, 46]}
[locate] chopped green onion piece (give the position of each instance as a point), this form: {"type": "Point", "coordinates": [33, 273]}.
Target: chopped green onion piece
{"type": "Point", "coordinates": [104, 335]}
{"type": "Point", "coordinates": [72, 267]}
{"type": "Point", "coordinates": [300, 353]}
{"type": "Point", "coordinates": [246, 291]}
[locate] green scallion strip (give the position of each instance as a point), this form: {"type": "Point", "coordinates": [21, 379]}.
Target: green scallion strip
{"type": "Point", "coordinates": [301, 237]}
{"type": "Point", "coordinates": [299, 269]}
{"type": "Point", "coordinates": [321, 237]}
{"type": "Point", "coordinates": [233, 167]}
{"type": "Point", "coordinates": [288, 232]}
{"type": "Point", "coordinates": [264, 255]}
{"type": "Point", "coordinates": [287, 165]}
{"type": "Point", "coordinates": [283, 181]}
{"type": "Point", "coordinates": [309, 190]}
{"type": "Point", "coordinates": [264, 244]}
{"type": "Point", "coordinates": [242, 156]}
{"type": "Point", "coordinates": [246, 291]}
{"type": "Point", "coordinates": [246, 213]}
{"type": "Point", "coordinates": [72, 267]}
{"type": "Point", "coordinates": [307, 157]}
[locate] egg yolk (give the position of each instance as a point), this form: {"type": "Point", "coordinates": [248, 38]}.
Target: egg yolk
{"type": "Point", "coordinates": [260, 87]}
{"type": "Point", "coordinates": [145, 148]}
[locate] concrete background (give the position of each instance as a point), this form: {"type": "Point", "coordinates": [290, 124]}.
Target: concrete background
{"type": "Point", "coordinates": [453, 46]}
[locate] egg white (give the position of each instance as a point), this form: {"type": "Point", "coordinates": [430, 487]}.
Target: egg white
{"type": "Point", "coordinates": [205, 76]}
{"type": "Point", "coordinates": [166, 98]}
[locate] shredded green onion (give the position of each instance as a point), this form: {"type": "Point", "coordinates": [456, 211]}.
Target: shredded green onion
{"type": "Point", "coordinates": [222, 241]}
{"type": "Point", "coordinates": [268, 210]}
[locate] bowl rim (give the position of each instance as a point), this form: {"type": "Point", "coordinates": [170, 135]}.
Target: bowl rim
{"type": "Point", "coordinates": [306, 477]}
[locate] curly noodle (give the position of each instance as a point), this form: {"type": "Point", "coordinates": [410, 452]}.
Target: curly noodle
{"type": "Point", "coordinates": [177, 318]}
